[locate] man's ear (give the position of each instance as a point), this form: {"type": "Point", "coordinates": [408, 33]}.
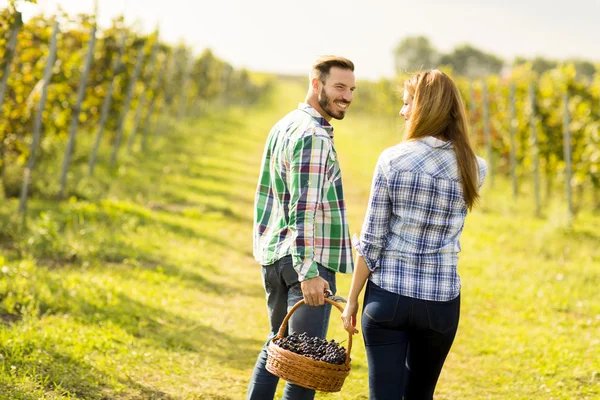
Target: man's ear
{"type": "Point", "coordinates": [316, 84]}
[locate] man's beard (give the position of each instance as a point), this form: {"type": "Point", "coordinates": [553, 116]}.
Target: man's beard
{"type": "Point", "coordinates": [327, 105]}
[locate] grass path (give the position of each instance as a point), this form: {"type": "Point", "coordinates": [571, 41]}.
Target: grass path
{"type": "Point", "coordinates": [152, 293]}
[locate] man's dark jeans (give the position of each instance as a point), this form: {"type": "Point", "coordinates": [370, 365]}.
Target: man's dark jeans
{"type": "Point", "coordinates": [283, 291]}
{"type": "Point", "coordinates": [407, 341]}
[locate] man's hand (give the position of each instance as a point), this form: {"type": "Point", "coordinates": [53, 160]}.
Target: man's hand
{"type": "Point", "coordinates": [313, 291]}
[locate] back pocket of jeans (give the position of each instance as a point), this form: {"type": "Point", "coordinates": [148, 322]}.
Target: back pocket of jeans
{"type": "Point", "coordinates": [380, 305]}
{"type": "Point", "coordinates": [265, 278]}
{"type": "Point", "coordinates": [443, 316]}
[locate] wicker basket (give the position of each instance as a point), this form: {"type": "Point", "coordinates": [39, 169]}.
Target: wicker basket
{"type": "Point", "coordinates": [304, 371]}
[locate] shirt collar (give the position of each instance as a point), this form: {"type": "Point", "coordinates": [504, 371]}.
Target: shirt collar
{"type": "Point", "coordinates": [434, 142]}
{"type": "Point", "coordinates": [320, 120]}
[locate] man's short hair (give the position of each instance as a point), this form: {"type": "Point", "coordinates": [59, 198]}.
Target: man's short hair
{"type": "Point", "coordinates": [322, 66]}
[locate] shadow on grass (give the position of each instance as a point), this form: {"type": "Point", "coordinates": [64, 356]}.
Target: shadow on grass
{"type": "Point", "coordinates": [238, 160]}
{"type": "Point", "coordinates": [229, 196]}
{"type": "Point", "coordinates": [239, 141]}
{"type": "Point", "coordinates": [164, 220]}
{"type": "Point", "coordinates": [219, 179]}
{"type": "Point", "coordinates": [67, 376]}
{"type": "Point", "coordinates": [117, 217]}
{"type": "Point", "coordinates": [7, 318]}
{"type": "Point", "coordinates": [119, 252]}
{"type": "Point", "coordinates": [225, 349]}
{"type": "Point", "coordinates": [166, 330]}
{"type": "Point", "coordinates": [175, 203]}
{"type": "Point", "coordinates": [191, 279]}
{"type": "Point", "coordinates": [583, 234]}
{"type": "Point", "coordinates": [11, 392]}
{"type": "Point", "coordinates": [118, 222]}
{"type": "Point", "coordinates": [227, 169]}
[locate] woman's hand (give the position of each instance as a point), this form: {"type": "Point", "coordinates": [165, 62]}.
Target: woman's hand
{"type": "Point", "coordinates": [349, 317]}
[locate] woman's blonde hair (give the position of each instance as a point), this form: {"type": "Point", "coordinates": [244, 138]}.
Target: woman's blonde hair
{"type": "Point", "coordinates": [438, 110]}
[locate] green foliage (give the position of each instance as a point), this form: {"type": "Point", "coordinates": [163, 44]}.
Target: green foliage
{"type": "Point", "coordinates": [25, 79]}
{"type": "Point", "coordinates": [469, 61]}
{"type": "Point", "coordinates": [585, 69]}
{"type": "Point", "coordinates": [415, 53]}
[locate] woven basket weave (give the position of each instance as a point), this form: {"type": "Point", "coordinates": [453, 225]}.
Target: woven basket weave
{"type": "Point", "coordinates": [304, 371]}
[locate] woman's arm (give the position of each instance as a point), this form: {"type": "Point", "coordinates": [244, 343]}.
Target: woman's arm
{"type": "Point", "coordinates": [359, 277]}
{"type": "Point", "coordinates": [376, 225]}
{"type": "Point", "coordinates": [374, 232]}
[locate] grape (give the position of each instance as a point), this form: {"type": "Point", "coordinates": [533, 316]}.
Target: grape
{"type": "Point", "coordinates": [313, 347]}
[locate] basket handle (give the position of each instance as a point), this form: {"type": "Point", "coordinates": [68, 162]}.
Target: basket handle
{"type": "Point", "coordinates": [295, 307]}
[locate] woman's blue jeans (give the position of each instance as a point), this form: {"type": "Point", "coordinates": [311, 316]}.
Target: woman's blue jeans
{"type": "Point", "coordinates": [407, 341]}
{"type": "Point", "coordinates": [283, 291]}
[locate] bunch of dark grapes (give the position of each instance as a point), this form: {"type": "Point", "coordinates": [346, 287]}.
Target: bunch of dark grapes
{"type": "Point", "coordinates": [313, 347]}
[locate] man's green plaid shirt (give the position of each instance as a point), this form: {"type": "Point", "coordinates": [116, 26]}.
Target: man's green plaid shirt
{"type": "Point", "coordinates": [299, 207]}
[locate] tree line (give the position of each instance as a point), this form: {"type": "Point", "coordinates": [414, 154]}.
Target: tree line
{"type": "Point", "coordinates": [414, 53]}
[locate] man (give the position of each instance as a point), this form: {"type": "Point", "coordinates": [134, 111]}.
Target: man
{"type": "Point", "coordinates": [301, 235]}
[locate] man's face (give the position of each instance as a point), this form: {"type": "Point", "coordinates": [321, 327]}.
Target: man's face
{"type": "Point", "coordinates": [336, 92]}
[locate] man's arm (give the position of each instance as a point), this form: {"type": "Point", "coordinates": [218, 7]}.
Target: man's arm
{"type": "Point", "coordinates": [308, 172]}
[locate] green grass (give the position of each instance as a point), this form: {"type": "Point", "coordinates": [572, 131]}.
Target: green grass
{"type": "Point", "coordinates": [146, 288]}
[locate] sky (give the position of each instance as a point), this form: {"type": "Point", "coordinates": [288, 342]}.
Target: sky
{"type": "Point", "coordinates": [285, 36]}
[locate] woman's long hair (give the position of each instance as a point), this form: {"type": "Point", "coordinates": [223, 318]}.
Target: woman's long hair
{"type": "Point", "coordinates": [438, 110]}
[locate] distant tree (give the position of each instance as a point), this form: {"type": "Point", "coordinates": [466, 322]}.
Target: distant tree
{"type": "Point", "coordinates": [470, 61]}
{"type": "Point", "coordinates": [415, 53]}
{"type": "Point", "coordinates": [538, 64]}
{"type": "Point", "coordinates": [206, 72]}
{"type": "Point", "coordinates": [584, 68]}
{"type": "Point", "coordinates": [541, 65]}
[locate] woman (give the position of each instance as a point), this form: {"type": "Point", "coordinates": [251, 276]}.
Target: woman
{"type": "Point", "coordinates": [408, 250]}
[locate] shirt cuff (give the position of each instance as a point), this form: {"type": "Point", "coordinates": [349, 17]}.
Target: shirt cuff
{"type": "Point", "coordinates": [371, 264]}
{"type": "Point", "coordinates": [356, 245]}
{"type": "Point", "coordinates": [307, 270]}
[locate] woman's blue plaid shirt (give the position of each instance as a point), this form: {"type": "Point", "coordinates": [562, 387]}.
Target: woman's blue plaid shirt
{"type": "Point", "coordinates": [416, 213]}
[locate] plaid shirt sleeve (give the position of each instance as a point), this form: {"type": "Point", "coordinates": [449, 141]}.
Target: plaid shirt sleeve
{"type": "Point", "coordinates": [377, 219]}
{"type": "Point", "coordinates": [308, 167]}
{"type": "Point", "coordinates": [483, 168]}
